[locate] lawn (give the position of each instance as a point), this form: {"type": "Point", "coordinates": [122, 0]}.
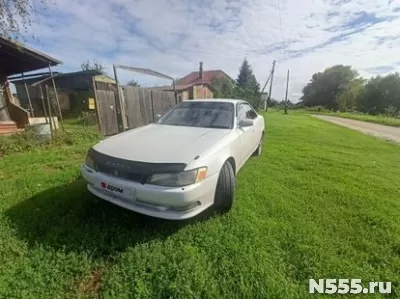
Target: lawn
{"type": "Point", "coordinates": [378, 119]}
{"type": "Point", "coordinates": [321, 202]}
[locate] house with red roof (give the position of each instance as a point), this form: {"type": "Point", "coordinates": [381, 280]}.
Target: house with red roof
{"type": "Point", "coordinates": [196, 85]}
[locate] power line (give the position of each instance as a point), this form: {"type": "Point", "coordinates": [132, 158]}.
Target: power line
{"type": "Point", "coordinates": [281, 30]}
{"type": "Point", "coordinates": [196, 51]}
{"type": "Point", "coordinates": [258, 46]}
{"type": "Point", "coordinates": [284, 45]}
{"type": "Point", "coordinates": [247, 33]}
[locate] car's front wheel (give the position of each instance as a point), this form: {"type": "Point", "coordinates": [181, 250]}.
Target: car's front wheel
{"type": "Point", "coordinates": [225, 192]}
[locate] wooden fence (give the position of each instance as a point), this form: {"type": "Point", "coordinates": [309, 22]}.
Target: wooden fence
{"type": "Point", "coordinates": [142, 105]}
{"type": "Point", "coordinates": [105, 94]}
{"type": "Point", "coordinates": [139, 106]}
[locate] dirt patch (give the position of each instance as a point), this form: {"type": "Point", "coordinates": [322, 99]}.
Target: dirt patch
{"type": "Point", "coordinates": [379, 131]}
{"type": "Point", "coordinates": [90, 285]}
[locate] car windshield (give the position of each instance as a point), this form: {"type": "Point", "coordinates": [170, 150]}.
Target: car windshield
{"type": "Point", "coordinates": [200, 114]}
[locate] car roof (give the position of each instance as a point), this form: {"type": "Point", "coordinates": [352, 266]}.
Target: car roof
{"type": "Point", "coordinates": [233, 101]}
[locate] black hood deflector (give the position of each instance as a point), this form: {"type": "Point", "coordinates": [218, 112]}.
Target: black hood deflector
{"type": "Point", "coordinates": [137, 167]}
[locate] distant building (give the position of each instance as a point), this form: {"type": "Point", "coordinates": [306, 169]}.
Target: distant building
{"type": "Point", "coordinates": [196, 85]}
{"type": "Point", "coordinates": [75, 91]}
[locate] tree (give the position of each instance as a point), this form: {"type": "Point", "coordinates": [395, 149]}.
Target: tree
{"type": "Point", "coordinates": [381, 95]}
{"type": "Point", "coordinates": [246, 77]}
{"type": "Point", "coordinates": [224, 88]}
{"type": "Point", "coordinates": [93, 66]}
{"type": "Point", "coordinates": [133, 83]}
{"type": "Point", "coordinates": [247, 86]}
{"type": "Point", "coordinates": [282, 103]}
{"type": "Point", "coordinates": [324, 88]}
{"type": "Point", "coordinates": [347, 100]}
{"type": "Point", "coordinates": [272, 102]}
{"type": "Point", "coordinates": [13, 15]}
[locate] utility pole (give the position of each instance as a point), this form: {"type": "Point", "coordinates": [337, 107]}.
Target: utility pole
{"type": "Point", "coordinates": [262, 91]}
{"type": "Point", "coordinates": [287, 87]}
{"type": "Point", "coordinates": [270, 85]}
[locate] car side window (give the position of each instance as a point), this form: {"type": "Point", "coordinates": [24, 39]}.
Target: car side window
{"type": "Point", "coordinates": [246, 112]}
{"type": "Point", "coordinates": [241, 112]}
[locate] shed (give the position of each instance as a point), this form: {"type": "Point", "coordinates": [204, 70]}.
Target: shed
{"type": "Point", "coordinates": [16, 58]}
{"type": "Point", "coordinates": [75, 91]}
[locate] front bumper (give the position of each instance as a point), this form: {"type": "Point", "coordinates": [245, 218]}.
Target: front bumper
{"type": "Point", "coordinates": [158, 201]}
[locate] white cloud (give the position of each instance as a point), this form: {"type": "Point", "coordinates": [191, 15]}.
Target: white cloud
{"type": "Point", "coordinates": [173, 36]}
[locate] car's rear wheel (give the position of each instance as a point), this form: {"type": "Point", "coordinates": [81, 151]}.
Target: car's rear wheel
{"type": "Point", "coordinates": [225, 192]}
{"type": "Point", "coordinates": [258, 151]}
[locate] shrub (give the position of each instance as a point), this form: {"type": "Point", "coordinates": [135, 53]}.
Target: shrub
{"type": "Point", "coordinates": [391, 111]}
{"type": "Point", "coordinates": [27, 141]}
{"type": "Point", "coordinates": [84, 135]}
{"type": "Point", "coordinates": [317, 109]}
{"type": "Point", "coordinates": [19, 142]}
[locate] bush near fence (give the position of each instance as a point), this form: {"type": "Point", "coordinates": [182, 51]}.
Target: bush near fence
{"type": "Point", "coordinates": [75, 133]}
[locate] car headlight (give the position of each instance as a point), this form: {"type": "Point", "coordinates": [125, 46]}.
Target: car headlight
{"type": "Point", "coordinates": [179, 179]}
{"type": "Point", "coordinates": [89, 162]}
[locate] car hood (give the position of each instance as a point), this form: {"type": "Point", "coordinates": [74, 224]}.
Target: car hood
{"type": "Point", "coordinates": [161, 143]}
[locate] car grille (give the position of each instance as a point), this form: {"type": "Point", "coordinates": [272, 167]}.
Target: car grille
{"type": "Point", "coordinates": [120, 174]}
{"type": "Point", "coordinates": [134, 171]}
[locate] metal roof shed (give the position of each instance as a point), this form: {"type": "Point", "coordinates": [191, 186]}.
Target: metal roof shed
{"type": "Point", "coordinates": [16, 58]}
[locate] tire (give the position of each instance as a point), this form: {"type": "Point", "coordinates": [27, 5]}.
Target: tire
{"type": "Point", "coordinates": [225, 191]}
{"type": "Point", "coordinates": [258, 151]}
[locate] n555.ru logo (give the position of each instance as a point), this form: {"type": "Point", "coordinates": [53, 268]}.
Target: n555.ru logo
{"type": "Point", "coordinates": [348, 286]}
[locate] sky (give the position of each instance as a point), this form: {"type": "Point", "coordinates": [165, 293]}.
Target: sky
{"type": "Point", "coordinates": [172, 37]}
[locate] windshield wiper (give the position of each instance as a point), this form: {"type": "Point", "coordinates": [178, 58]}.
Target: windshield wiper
{"type": "Point", "coordinates": [217, 127]}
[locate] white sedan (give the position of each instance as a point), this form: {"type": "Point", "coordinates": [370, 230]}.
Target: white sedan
{"type": "Point", "coordinates": [181, 165]}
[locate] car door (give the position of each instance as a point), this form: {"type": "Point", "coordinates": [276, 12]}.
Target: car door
{"type": "Point", "coordinates": [258, 125]}
{"type": "Point", "coordinates": [256, 133]}
{"type": "Point", "coordinates": [247, 134]}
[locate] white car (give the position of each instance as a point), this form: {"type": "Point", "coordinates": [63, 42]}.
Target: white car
{"type": "Point", "coordinates": [181, 165]}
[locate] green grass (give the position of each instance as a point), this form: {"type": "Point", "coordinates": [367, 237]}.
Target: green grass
{"type": "Point", "coordinates": [321, 202]}
{"type": "Point", "coordinates": [76, 132]}
{"type": "Point", "coordinates": [378, 119]}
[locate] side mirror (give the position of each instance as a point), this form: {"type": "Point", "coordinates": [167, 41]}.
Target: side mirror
{"type": "Point", "coordinates": [157, 117]}
{"type": "Point", "coordinates": [246, 123]}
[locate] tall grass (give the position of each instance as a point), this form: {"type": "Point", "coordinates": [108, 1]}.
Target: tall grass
{"type": "Point", "coordinates": [378, 119]}
{"type": "Point", "coordinates": [77, 131]}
